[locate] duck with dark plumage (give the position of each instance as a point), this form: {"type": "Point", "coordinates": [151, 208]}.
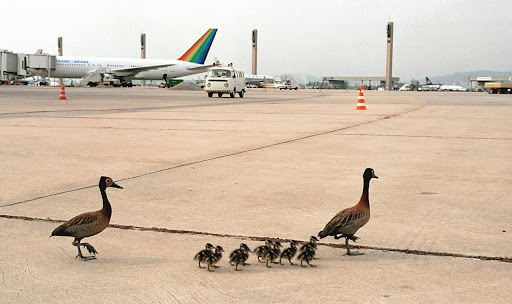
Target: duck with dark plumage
{"type": "Point", "coordinates": [348, 221]}
{"type": "Point", "coordinates": [89, 223]}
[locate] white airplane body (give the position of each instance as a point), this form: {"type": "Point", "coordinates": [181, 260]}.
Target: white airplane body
{"type": "Point", "coordinates": [262, 81]}
{"type": "Point", "coordinates": [452, 88]}
{"type": "Point", "coordinates": [192, 62]}
{"type": "Point", "coordinates": [142, 69]}
{"type": "Point", "coordinates": [441, 87]}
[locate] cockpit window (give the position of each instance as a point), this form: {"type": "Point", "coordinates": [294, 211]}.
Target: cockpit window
{"type": "Point", "coordinates": [220, 73]}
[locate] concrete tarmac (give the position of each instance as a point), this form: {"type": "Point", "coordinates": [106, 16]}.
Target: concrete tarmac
{"type": "Point", "coordinates": [274, 164]}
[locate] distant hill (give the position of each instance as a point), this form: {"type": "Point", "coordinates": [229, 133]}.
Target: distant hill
{"type": "Point", "coordinates": [462, 78]}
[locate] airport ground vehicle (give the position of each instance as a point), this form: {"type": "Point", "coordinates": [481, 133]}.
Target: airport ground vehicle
{"type": "Point", "coordinates": [498, 87]}
{"type": "Point", "coordinates": [112, 82]}
{"type": "Point", "coordinates": [225, 80]}
{"type": "Point", "coordinates": [405, 87]}
{"type": "Point", "coordinates": [289, 84]}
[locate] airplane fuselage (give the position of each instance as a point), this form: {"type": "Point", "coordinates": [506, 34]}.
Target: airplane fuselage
{"type": "Point", "coordinates": [78, 67]}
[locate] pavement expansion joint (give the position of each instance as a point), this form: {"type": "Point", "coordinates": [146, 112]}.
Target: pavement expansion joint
{"type": "Point", "coordinates": [263, 238]}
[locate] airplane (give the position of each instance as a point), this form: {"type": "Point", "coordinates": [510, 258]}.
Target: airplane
{"type": "Point", "coordinates": [430, 86]}
{"type": "Point", "coordinates": [441, 87]}
{"type": "Point", "coordinates": [259, 80]}
{"type": "Point", "coordinates": [91, 70]}
{"type": "Point", "coordinates": [452, 88]}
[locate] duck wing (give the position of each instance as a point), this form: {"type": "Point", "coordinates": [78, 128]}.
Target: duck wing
{"type": "Point", "coordinates": [85, 224]}
{"type": "Point", "coordinates": [347, 221]}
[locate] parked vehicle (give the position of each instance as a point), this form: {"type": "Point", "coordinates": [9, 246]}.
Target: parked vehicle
{"type": "Point", "coordinates": [289, 84]}
{"type": "Point", "coordinates": [112, 82]}
{"type": "Point", "coordinates": [225, 80]}
{"type": "Point", "coordinates": [498, 87]}
{"type": "Point", "coordinates": [405, 87]}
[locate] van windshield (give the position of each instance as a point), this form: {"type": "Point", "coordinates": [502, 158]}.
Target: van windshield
{"type": "Point", "coordinates": [220, 73]}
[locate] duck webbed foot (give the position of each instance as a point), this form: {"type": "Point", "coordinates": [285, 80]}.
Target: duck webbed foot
{"type": "Point", "coordinates": [353, 238]}
{"type": "Point", "coordinates": [89, 247]}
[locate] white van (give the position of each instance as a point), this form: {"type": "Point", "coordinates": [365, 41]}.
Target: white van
{"type": "Point", "coordinates": [227, 80]}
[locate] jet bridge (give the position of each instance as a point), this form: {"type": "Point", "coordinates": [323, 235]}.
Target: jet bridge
{"type": "Point", "coordinates": [19, 65]}
{"type": "Point", "coordinates": [10, 66]}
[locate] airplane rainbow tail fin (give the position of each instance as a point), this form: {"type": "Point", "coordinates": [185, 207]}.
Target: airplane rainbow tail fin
{"type": "Point", "coordinates": [198, 52]}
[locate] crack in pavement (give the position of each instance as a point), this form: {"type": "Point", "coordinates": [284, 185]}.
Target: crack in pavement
{"type": "Point", "coordinates": [225, 155]}
{"type": "Point", "coordinates": [264, 238]}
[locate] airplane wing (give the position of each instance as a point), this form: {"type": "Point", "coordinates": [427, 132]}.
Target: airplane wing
{"type": "Point", "coordinates": [203, 68]}
{"type": "Point", "coordinates": [136, 70]}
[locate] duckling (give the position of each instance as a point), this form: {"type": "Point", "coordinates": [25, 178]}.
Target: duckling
{"type": "Point", "coordinates": [90, 223]}
{"type": "Point", "coordinates": [348, 221]}
{"type": "Point", "coordinates": [202, 255]}
{"type": "Point", "coordinates": [214, 258]}
{"type": "Point", "coordinates": [261, 250]}
{"type": "Point", "coordinates": [277, 250]}
{"type": "Point", "coordinates": [312, 243]}
{"type": "Point", "coordinates": [239, 256]}
{"type": "Point", "coordinates": [307, 254]}
{"type": "Point", "coordinates": [289, 253]}
{"type": "Point", "coordinates": [272, 253]}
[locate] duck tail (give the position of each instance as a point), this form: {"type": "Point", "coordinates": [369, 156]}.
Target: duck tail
{"type": "Point", "coordinates": [61, 231]}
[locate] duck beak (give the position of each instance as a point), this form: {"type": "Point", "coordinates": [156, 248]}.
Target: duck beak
{"type": "Point", "coordinates": [375, 176]}
{"type": "Point", "coordinates": [116, 185]}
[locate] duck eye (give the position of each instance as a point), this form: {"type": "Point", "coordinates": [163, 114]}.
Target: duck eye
{"type": "Point", "coordinates": [109, 181]}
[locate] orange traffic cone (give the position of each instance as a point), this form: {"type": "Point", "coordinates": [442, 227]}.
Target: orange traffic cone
{"type": "Point", "coordinates": [62, 94]}
{"type": "Point", "coordinates": [360, 100]}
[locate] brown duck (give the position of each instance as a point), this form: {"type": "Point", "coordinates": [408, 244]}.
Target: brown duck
{"type": "Point", "coordinates": [90, 223]}
{"type": "Point", "coordinates": [348, 221]}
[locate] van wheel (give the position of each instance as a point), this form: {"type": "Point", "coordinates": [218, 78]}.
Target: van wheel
{"type": "Point", "coordinates": [219, 94]}
{"type": "Point", "coordinates": [241, 94]}
{"type": "Point", "coordinates": [210, 94]}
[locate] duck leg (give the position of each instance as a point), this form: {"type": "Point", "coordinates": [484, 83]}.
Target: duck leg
{"type": "Point", "coordinates": [84, 258]}
{"type": "Point", "coordinates": [310, 264]}
{"type": "Point", "coordinates": [354, 238]}
{"type": "Point", "coordinates": [268, 266]}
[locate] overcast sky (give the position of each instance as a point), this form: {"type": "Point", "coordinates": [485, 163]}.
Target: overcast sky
{"type": "Point", "coordinates": [320, 38]}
